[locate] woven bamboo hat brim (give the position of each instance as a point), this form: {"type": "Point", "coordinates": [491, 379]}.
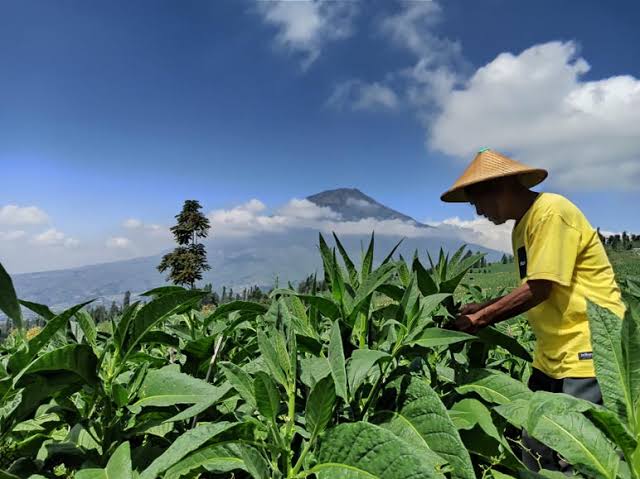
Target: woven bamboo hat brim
{"type": "Point", "coordinates": [488, 165]}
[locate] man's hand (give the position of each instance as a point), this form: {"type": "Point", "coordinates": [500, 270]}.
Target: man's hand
{"type": "Point", "coordinates": [470, 308]}
{"type": "Point", "coordinates": [468, 323]}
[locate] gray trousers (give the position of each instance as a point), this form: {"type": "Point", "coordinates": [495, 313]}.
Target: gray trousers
{"type": "Point", "coordinates": [537, 455]}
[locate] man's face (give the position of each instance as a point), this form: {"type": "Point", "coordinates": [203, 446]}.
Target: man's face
{"type": "Point", "coordinates": [490, 201]}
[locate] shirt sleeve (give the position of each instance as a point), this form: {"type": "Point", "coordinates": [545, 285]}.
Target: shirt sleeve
{"type": "Point", "coordinates": [552, 250]}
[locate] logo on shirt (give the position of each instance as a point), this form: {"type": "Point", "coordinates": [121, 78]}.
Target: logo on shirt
{"type": "Point", "coordinates": [522, 262]}
{"type": "Point", "coordinates": [586, 355]}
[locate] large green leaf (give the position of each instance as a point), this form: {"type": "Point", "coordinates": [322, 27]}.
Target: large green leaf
{"type": "Point", "coordinates": [494, 386]}
{"type": "Point", "coordinates": [8, 299]}
{"type": "Point", "coordinates": [429, 418]}
{"type": "Point", "coordinates": [367, 260]}
{"type": "Point", "coordinates": [267, 396]}
{"type": "Point", "coordinates": [183, 445]}
{"type": "Point", "coordinates": [470, 412]}
{"type": "Point", "coordinates": [240, 381]}
{"type": "Point", "coordinates": [337, 362]}
{"type": "Point", "coordinates": [360, 363]}
{"type": "Point", "coordinates": [76, 358]}
{"type": "Point", "coordinates": [403, 427]}
{"type": "Point", "coordinates": [373, 281]}
{"type": "Point", "coordinates": [276, 362]}
{"type": "Point", "coordinates": [219, 459]}
{"type": "Point", "coordinates": [612, 370]}
{"type": "Point", "coordinates": [247, 307]}
{"type": "Point", "coordinates": [425, 281]}
{"type": "Point", "coordinates": [22, 358]}
{"type": "Point", "coordinates": [88, 326]}
{"type": "Point", "coordinates": [320, 406]}
{"type": "Point", "coordinates": [168, 387]}
{"type": "Point", "coordinates": [39, 309]}
{"type": "Point", "coordinates": [433, 337]}
{"type": "Point", "coordinates": [573, 436]}
{"type": "Point", "coordinates": [152, 313]}
{"type": "Point", "coordinates": [119, 466]}
{"type": "Point", "coordinates": [630, 337]}
{"type": "Point", "coordinates": [327, 259]}
{"type": "Point", "coordinates": [326, 306]}
{"type": "Point", "coordinates": [351, 268]}
{"type": "Point", "coordinates": [516, 411]}
{"type": "Point", "coordinates": [364, 451]}
{"type": "Point", "coordinates": [494, 337]}
{"type": "Point", "coordinates": [255, 463]}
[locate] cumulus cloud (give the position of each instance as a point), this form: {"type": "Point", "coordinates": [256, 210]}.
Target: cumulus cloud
{"type": "Point", "coordinates": [248, 218]}
{"type": "Point", "coordinates": [306, 26]}
{"type": "Point", "coordinates": [22, 215]}
{"type": "Point", "coordinates": [53, 237]}
{"type": "Point", "coordinates": [480, 231]}
{"type": "Point", "coordinates": [12, 235]}
{"type": "Point", "coordinates": [536, 106]}
{"type": "Point", "coordinates": [118, 242]}
{"type": "Point", "coordinates": [358, 95]}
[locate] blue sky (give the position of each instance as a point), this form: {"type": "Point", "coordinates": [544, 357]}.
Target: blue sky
{"type": "Point", "coordinates": [120, 110]}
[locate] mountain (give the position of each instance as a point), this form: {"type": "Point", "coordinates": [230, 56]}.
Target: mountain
{"type": "Point", "coordinates": [241, 262]}
{"type": "Point", "coordinates": [353, 205]}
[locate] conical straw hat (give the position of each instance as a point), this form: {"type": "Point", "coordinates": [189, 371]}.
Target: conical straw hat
{"type": "Point", "coordinates": [487, 165]}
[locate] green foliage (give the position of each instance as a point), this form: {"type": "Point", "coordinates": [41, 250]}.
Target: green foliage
{"type": "Point", "coordinates": [188, 261]}
{"type": "Point", "coordinates": [354, 379]}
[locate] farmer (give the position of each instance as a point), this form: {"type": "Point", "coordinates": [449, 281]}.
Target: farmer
{"type": "Point", "coordinates": [560, 262]}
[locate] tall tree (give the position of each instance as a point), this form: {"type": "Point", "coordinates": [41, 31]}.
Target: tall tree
{"type": "Point", "coordinates": [127, 300]}
{"type": "Point", "coordinates": [188, 261]}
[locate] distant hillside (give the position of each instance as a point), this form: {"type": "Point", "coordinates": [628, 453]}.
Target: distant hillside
{"type": "Point", "coordinates": [244, 261]}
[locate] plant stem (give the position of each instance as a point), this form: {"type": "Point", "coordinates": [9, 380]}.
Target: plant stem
{"type": "Point", "coordinates": [212, 363]}
{"type": "Point", "coordinates": [375, 388]}
{"type": "Point", "coordinates": [298, 464]}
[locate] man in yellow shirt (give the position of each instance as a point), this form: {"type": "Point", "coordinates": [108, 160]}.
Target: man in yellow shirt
{"type": "Point", "coordinates": [561, 263]}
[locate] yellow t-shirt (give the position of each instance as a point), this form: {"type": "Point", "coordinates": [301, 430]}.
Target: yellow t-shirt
{"type": "Point", "coordinates": [554, 241]}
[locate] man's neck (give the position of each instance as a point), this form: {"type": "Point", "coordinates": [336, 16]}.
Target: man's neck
{"type": "Point", "coordinates": [523, 203]}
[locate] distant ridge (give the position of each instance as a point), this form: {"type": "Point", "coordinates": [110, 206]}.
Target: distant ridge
{"type": "Point", "coordinates": [353, 205]}
{"type": "Point", "coordinates": [244, 261]}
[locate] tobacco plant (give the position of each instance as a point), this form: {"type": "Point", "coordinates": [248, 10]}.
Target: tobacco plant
{"type": "Point", "coordinates": [360, 380]}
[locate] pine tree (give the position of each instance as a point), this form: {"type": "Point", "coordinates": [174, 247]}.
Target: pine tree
{"type": "Point", "coordinates": [188, 261]}
{"type": "Point", "coordinates": [127, 300]}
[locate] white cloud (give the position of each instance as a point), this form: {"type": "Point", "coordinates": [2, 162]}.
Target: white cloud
{"type": "Point", "coordinates": [480, 231]}
{"type": "Point", "coordinates": [12, 235]}
{"type": "Point", "coordinates": [412, 28]}
{"type": "Point", "coordinates": [22, 215]}
{"type": "Point", "coordinates": [247, 219]}
{"type": "Point", "coordinates": [306, 26]}
{"type": "Point", "coordinates": [53, 237]}
{"type": "Point", "coordinates": [357, 95]}
{"type": "Point", "coordinates": [536, 106]}
{"type": "Point", "coordinates": [360, 203]}
{"type": "Point", "coordinates": [132, 223]}
{"type": "Point", "coordinates": [422, 86]}
{"type": "Point", "coordinates": [118, 242]}
{"type": "Point", "coordinates": [241, 221]}
{"type": "Point", "coordinates": [305, 209]}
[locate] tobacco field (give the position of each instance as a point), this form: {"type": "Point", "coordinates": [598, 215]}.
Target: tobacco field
{"type": "Point", "coordinates": [358, 381]}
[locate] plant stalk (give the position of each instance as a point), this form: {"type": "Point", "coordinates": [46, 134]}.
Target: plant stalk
{"type": "Point", "coordinates": [212, 363]}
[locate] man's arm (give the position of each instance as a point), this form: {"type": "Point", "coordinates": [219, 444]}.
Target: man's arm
{"type": "Point", "coordinates": [521, 299]}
